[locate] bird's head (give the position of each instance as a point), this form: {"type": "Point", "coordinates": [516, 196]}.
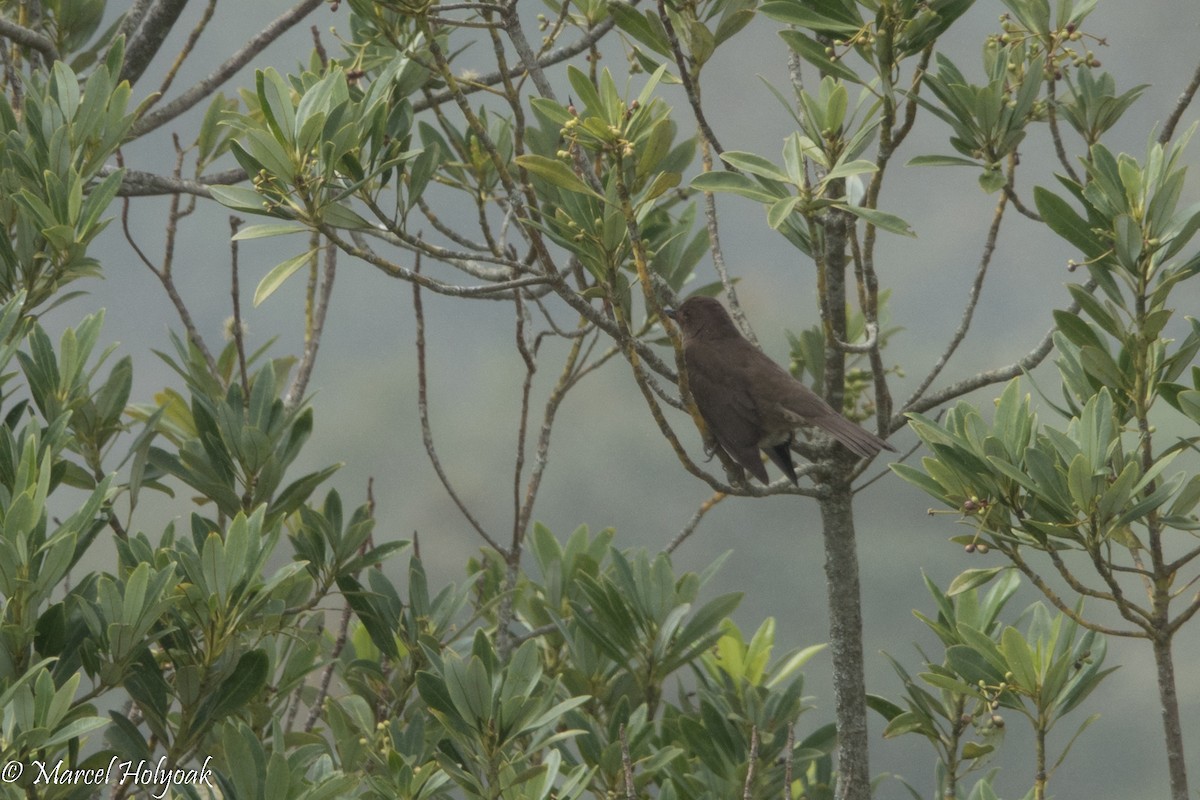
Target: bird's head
{"type": "Point", "coordinates": [702, 317]}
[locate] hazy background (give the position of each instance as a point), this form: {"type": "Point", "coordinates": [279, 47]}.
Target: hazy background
{"type": "Point", "coordinates": [609, 466]}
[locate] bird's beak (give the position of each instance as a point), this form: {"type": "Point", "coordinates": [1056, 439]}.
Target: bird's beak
{"type": "Point", "coordinates": [670, 312]}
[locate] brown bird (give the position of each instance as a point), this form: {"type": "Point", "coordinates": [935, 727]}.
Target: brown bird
{"type": "Point", "coordinates": [747, 400]}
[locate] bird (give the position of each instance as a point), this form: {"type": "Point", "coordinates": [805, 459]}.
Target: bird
{"type": "Point", "coordinates": [749, 402]}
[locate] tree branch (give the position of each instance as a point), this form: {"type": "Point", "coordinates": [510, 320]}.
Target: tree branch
{"type": "Point", "coordinates": [694, 522]}
{"type": "Point", "coordinates": [318, 306]}
{"type": "Point", "coordinates": [751, 765]}
{"type": "Point", "coordinates": [1056, 136]}
{"type": "Point", "coordinates": [225, 71]}
{"type": "Point", "coordinates": [137, 183]}
{"type": "Point", "coordinates": [426, 430]}
{"type": "Point", "coordinates": [153, 22]}
{"type": "Point", "coordinates": [30, 38]}
{"type": "Point", "coordinates": [1056, 601]}
{"type": "Point", "coordinates": [689, 85]}
{"type": "Point", "coordinates": [497, 290]}
{"type": "Point", "coordinates": [964, 324]}
{"type": "Point", "coordinates": [492, 78]}
{"type": "Point", "coordinates": [718, 255]}
{"type": "Point", "coordinates": [1185, 99]}
{"type": "Point", "coordinates": [164, 274]}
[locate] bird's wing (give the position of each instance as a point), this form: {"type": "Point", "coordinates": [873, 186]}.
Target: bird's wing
{"type": "Point", "coordinates": [725, 401]}
{"type": "Point", "coordinates": [802, 406]}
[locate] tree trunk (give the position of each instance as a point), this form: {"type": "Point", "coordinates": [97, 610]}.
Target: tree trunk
{"type": "Point", "coordinates": [1172, 726]}
{"type": "Point", "coordinates": [845, 639]}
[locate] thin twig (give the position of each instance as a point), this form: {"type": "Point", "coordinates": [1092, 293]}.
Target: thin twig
{"type": "Point", "coordinates": [1124, 606]}
{"type": "Point", "coordinates": [531, 68]}
{"type": "Point", "coordinates": [339, 644]}
{"type": "Point", "coordinates": [250, 50]}
{"type": "Point", "coordinates": [566, 380]}
{"type": "Point", "coordinates": [993, 376]}
{"type": "Point", "coordinates": [1018, 560]}
{"type": "Point", "coordinates": [12, 78]}
{"type": "Point", "coordinates": [748, 787]}
{"type": "Point", "coordinates": [312, 335]}
{"type": "Point", "coordinates": [973, 294]}
{"type": "Point", "coordinates": [513, 560]}
{"type": "Point", "coordinates": [718, 254]}
{"type": "Point", "coordinates": [521, 198]}
{"type": "Point", "coordinates": [239, 332]}
{"type": "Point", "coordinates": [495, 291]}
{"type": "Point", "coordinates": [534, 633]}
{"type": "Point", "coordinates": [1184, 616]}
{"type": "Point", "coordinates": [1182, 561]}
{"type": "Point", "coordinates": [1185, 99]}
{"type": "Point", "coordinates": [1010, 192]}
{"type": "Point", "coordinates": [694, 522]}
{"type": "Point", "coordinates": [187, 48]}
{"type": "Point", "coordinates": [426, 430]}
{"type": "Point", "coordinates": [787, 762]}
{"type": "Point", "coordinates": [887, 470]}
{"type": "Point", "coordinates": [1055, 135]}
{"type": "Point", "coordinates": [627, 766]}
{"type": "Point", "coordinates": [471, 263]}
{"type": "Point", "coordinates": [689, 85]}
{"type": "Point", "coordinates": [446, 230]}
{"type": "Point", "coordinates": [164, 273]}
{"type": "Point", "coordinates": [460, 23]}
{"type": "Point", "coordinates": [560, 21]}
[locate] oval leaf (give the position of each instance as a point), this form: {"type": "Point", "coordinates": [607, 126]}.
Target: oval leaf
{"type": "Point", "coordinates": [275, 278]}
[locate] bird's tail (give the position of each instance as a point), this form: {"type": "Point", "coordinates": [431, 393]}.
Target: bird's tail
{"type": "Point", "coordinates": [857, 440]}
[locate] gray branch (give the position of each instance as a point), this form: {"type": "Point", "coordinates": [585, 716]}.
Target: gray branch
{"type": "Point", "coordinates": [225, 71]}
{"type": "Point", "coordinates": [30, 38]}
{"type": "Point", "coordinates": [137, 183]}
{"type": "Point", "coordinates": [149, 31]}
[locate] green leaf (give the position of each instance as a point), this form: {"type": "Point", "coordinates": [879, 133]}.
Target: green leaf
{"type": "Point", "coordinates": [239, 198]}
{"type": "Point", "coordinates": [974, 750]}
{"type": "Point", "coordinates": [781, 210]}
{"type": "Point", "coordinates": [268, 229]}
{"type": "Point", "coordinates": [941, 161]}
{"type": "Point", "coordinates": [278, 274]}
{"type": "Point", "coordinates": [1063, 220]}
{"type": "Point", "coordinates": [1019, 657]}
{"type": "Point", "coordinates": [646, 28]}
{"type": "Point", "coordinates": [905, 722]}
{"type": "Point", "coordinates": [340, 216]}
{"type": "Point", "coordinates": [971, 578]}
{"type": "Point", "coordinates": [243, 684]}
{"type": "Point", "coordinates": [734, 183]}
{"type": "Point", "coordinates": [845, 170]}
{"type": "Point", "coordinates": [972, 665]}
{"type": "Point", "coordinates": [884, 707]}
{"type": "Point", "coordinates": [755, 165]}
{"type": "Point", "coordinates": [557, 173]}
{"type": "Point", "coordinates": [813, 52]}
{"type": "Point", "coordinates": [991, 180]}
{"type": "Point", "coordinates": [275, 97]}
{"type": "Point", "coordinates": [825, 18]}
{"type": "Point", "coordinates": [880, 219]}
{"type": "Point", "coordinates": [585, 91]}
{"type": "Point", "coordinates": [663, 182]}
